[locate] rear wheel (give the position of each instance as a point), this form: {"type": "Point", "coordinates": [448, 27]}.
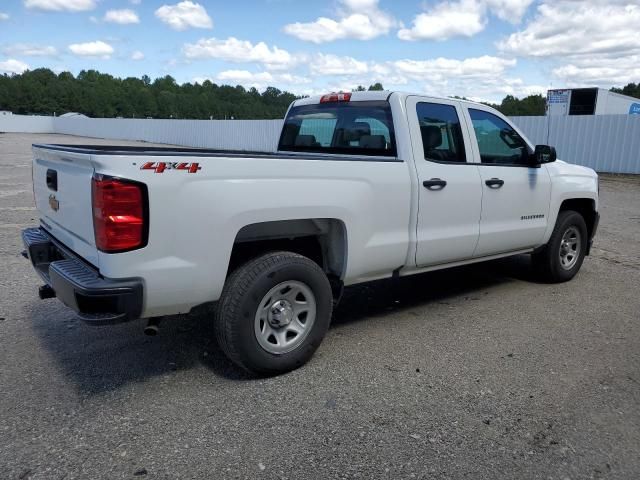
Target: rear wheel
{"type": "Point", "coordinates": [563, 255]}
{"type": "Point", "coordinates": [274, 312]}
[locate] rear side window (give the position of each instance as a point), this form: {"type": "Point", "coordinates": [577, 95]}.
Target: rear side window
{"type": "Point", "coordinates": [356, 128]}
{"type": "Point", "coordinates": [442, 139]}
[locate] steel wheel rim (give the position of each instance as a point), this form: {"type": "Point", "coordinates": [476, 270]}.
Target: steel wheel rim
{"type": "Point", "coordinates": [285, 316]}
{"type": "Point", "coordinates": [570, 248]}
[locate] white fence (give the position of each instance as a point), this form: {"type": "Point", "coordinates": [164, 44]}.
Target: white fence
{"type": "Point", "coordinates": [256, 135]}
{"type": "Point", "coordinates": [606, 143]}
{"type": "Point", "coordinates": [26, 124]}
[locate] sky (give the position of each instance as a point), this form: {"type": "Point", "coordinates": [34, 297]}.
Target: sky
{"type": "Point", "coordinates": [479, 49]}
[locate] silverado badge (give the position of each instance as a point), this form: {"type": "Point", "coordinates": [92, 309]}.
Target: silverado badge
{"type": "Point", "coordinates": [54, 203]}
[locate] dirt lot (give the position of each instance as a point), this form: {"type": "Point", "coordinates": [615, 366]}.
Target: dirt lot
{"type": "Point", "coordinates": [477, 373]}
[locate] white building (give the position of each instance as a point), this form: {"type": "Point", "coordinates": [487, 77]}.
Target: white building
{"type": "Point", "coordinates": [73, 115]}
{"type": "Point", "coordinates": [590, 101]}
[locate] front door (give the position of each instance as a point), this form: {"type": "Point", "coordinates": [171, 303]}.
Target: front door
{"type": "Point", "coordinates": [515, 196]}
{"type": "Point", "coordinates": [449, 188]}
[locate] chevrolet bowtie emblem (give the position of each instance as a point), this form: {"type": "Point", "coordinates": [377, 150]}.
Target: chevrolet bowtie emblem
{"type": "Point", "coordinates": [54, 203]}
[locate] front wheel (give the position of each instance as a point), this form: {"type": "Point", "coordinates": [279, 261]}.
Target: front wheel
{"type": "Point", "coordinates": [274, 312]}
{"type": "Point", "coordinates": [563, 255]}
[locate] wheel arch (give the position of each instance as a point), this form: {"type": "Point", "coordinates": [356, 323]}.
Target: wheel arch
{"type": "Point", "coordinates": [585, 203]}
{"type": "Point", "coordinates": [323, 240]}
{"type": "Point", "coordinates": [585, 207]}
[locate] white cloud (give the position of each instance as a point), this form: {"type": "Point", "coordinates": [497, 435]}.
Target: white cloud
{"type": "Point", "coordinates": [259, 80]}
{"type": "Point", "coordinates": [445, 20]}
{"type": "Point", "coordinates": [4, 16]}
{"type": "Point", "coordinates": [595, 43]}
{"type": "Point", "coordinates": [13, 66]}
{"type": "Point", "coordinates": [30, 50]}
{"type": "Point", "coordinates": [578, 28]}
{"type": "Point", "coordinates": [137, 55]}
{"type": "Point", "coordinates": [484, 77]}
{"type": "Point", "coordinates": [510, 11]}
{"type": "Point", "coordinates": [337, 65]}
{"type": "Point", "coordinates": [92, 49]}
{"type": "Point", "coordinates": [239, 51]}
{"type": "Point", "coordinates": [184, 15]}
{"type": "Point", "coordinates": [61, 5]}
{"type": "Point", "coordinates": [123, 17]}
{"type": "Point", "coordinates": [463, 18]}
{"type": "Point", "coordinates": [359, 19]}
{"type": "Point", "coordinates": [481, 78]}
{"type": "Point", "coordinates": [587, 72]}
{"type": "Point", "coordinates": [443, 69]}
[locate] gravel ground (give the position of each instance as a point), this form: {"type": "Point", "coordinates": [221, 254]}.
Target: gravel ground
{"type": "Point", "coordinates": [477, 373]}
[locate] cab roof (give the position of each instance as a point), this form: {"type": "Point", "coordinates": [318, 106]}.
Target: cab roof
{"type": "Point", "coordinates": [373, 95]}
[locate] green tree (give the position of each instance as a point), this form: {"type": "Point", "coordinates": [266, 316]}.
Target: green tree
{"type": "Point", "coordinates": [533, 105]}
{"type": "Point", "coordinates": [631, 89]}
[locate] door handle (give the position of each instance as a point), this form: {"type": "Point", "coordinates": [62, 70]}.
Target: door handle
{"type": "Point", "coordinates": [494, 183]}
{"type": "Point", "coordinates": [434, 184]}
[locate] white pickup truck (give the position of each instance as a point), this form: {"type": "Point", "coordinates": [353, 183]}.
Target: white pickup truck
{"type": "Point", "coordinates": [363, 186]}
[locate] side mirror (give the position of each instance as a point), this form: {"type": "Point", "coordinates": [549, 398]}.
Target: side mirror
{"type": "Point", "coordinates": [544, 154]}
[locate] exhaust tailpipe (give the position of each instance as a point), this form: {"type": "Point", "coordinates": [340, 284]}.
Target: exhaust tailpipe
{"type": "Point", "coordinates": [152, 326]}
{"type": "Point", "coordinates": [45, 291]}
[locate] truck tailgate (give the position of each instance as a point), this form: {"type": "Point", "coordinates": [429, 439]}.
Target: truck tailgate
{"type": "Point", "coordinates": [62, 191]}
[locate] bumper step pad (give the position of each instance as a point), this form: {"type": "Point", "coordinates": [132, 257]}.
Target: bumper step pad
{"type": "Point", "coordinates": [97, 300]}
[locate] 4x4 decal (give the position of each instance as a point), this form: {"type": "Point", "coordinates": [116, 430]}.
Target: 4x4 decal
{"type": "Point", "coordinates": [160, 167]}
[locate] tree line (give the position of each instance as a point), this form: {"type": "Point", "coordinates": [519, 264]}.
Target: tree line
{"type": "Point", "coordinates": [97, 94]}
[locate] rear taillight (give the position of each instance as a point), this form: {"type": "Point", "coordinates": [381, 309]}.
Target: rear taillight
{"type": "Point", "coordinates": [335, 97]}
{"type": "Point", "coordinates": [119, 214]}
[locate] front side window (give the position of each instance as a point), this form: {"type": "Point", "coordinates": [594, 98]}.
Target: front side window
{"type": "Point", "coordinates": [442, 139]}
{"type": "Point", "coordinates": [358, 128]}
{"type": "Point", "coordinates": [498, 142]}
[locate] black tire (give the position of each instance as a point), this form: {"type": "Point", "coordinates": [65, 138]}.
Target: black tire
{"type": "Point", "coordinates": [547, 262]}
{"type": "Point", "coordinates": [245, 289]}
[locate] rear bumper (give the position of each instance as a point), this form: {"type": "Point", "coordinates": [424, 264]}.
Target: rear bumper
{"type": "Point", "coordinates": [97, 300]}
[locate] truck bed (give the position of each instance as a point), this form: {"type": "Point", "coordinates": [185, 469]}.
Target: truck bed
{"type": "Point", "coordinates": [172, 151]}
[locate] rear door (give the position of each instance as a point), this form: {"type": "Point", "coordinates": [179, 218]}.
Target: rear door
{"type": "Point", "coordinates": [449, 187]}
{"type": "Point", "coordinates": [62, 191]}
{"type": "Point", "coordinates": [515, 196]}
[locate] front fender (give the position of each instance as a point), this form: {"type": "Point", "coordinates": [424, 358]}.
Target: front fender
{"type": "Point", "coordinates": [569, 182]}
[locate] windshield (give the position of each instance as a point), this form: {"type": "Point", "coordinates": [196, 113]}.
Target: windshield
{"type": "Point", "coordinates": [356, 128]}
